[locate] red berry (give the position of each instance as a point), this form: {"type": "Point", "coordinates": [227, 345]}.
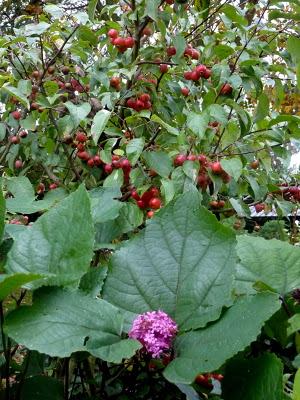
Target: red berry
{"type": "Point", "coordinates": [147, 105]}
{"type": "Point", "coordinates": [108, 168]}
{"type": "Point", "coordinates": [154, 192]}
{"type": "Point", "coordinates": [53, 186]}
{"type": "Point", "coordinates": [214, 204]}
{"type": "Point", "coordinates": [125, 164]}
{"type": "Point", "coordinates": [194, 75]}
{"type": "Point", "coordinates": [115, 81]}
{"type": "Point", "coordinates": [91, 162]}
{"type": "Point", "coordinates": [113, 33]}
{"type": "Point", "coordinates": [135, 195]}
{"type": "Point", "coordinates": [191, 157]}
{"type": "Point", "coordinates": [119, 42]}
{"type": "Point", "coordinates": [188, 75]}
{"type": "Point", "coordinates": [155, 203]}
{"type": "Point", "coordinates": [179, 160]}
{"type": "Point", "coordinates": [207, 74]}
{"type": "Point", "coordinates": [150, 214]}
{"type": "Point", "coordinates": [170, 2]}
{"type": "Point", "coordinates": [141, 204]}
{"type": "Point", "coordinates": [129, 42]}
{"type": "Point", "coordinates": [14, 139]}
{"type": "Point", "coordinates": [144, 97]}
{"type": "Point", "coordinates": [195, 54]}
{"type": "Point", "coordinates": [216, 168]}
{"type": "Point", "coordinates": [40, 188]}
{"type": "Point", "coordinates": [23, 134]}
{"type": "Point", "coordinates": [97, 160]}
{"type": "Point", "coordinates": [80, 147]}
{"type": "Point", "coordinates": [188, 52]}
{"type": "Point", "coordinates": [185, 91]}
{"type": "Point", "coordinates": [83, 155]}
{"type": "Point", "coordinates": [221, 203]}
{"type": "Point", "coordinates": [226, 89]}
{"type": "Point", "coordinates": [171, 51]}
{"type": "Point", "coordinates": [254, 164]}
{"type": "Point", "coordinates": [164, 68]}
{"type": "Point", "coordinates": [81, 137]}
{"type": "Point", "coordinates": [259, 207]}
{"type": "Point", "coordinates": [16, 115]}
{"type": "Point", "coordinates": [201, 69]}
{"type": "Point", "coordinates": [225, 177]}
{"type": "Point", "coordinates": [18, 164]}
{"type": "Point", "coordinates": [147, 31]}
{"type": "Point", "coordinates": [203, 181]}
{"type": "Point", "coordinates": [131, 103]}
{"type": "Point", "coordinates": [202, 159]}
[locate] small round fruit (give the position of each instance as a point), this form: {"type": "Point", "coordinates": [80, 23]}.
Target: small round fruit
{"type": "Point", "coordinates": [18, 164]}
{"type": "Point", "coordinates": [147, 31]}
{"type": "Point", "coordinates": [34, 106]}
{"type": "Point", "coordinates": [214, 204]}
{"type": "Point", "coordinates": [144, 97]}
{"type": "Point", "coordinates": [216, 168]}
{"type": "Point", "coordinates": [14, 139]}
{"type": "Point", "coordinates": [164, 68]}
{"type": "Point", "coordinates": [155, 203]}
{"type": "Point", "coordinates": [83, 155]}
{"type": "Point", "coordinates": [254, 164]}
{"type": "Point", "coordinates": [135, 195]}
{"type": "Point", "coordinates": [35, 74]}
{"type": "Point", "coordinates": [221, 203]}
{"type": "Point", "coordinates": [53, 186]}
{"type": "Point", "coordinates": [81, 137]}
{"type": "Point", "coordinates": [226, 89]}
{"type": "Point", "coordinates": [129, 42]}
{"type": "Point", "coordinates": [141, 204]}
{"type": "Point", "coordinates": [154, 192]}
{"type": "Point", "coordinates": [179, 160]}
{"type": "Point", "coordinates": [16, 115]}
{"type": "Point", "coordinates": [51, 70]}
{"type": "Point", "coordinates": [150, 214]}
{"type": "Point", "coordinates": [115, 81]}
{"type": "Point", "coordinates": [259, 207]}
{"type": "Point", "coordinates": [97, 160]}
{"type": "Point", "coordinates": [23, 134]}
{"type": "Point", "coordinates": [170, 2]}
{"type": "Point", "coordinates": [65, 70]}
{"type": "Point", "coordinates": [40, 188]}
{"type": "Point", "coordinates": [108, 168]}
{"type": "Point", "coordinates": [91, 162]}
{"type": "Point", "coordinates": [185, 91]}
{"type": "Point", "coordinates": [125, 164]}
{"type": "Point", "coordinates": [191, 157]}
{"type": "Point", "coordinates": [113, 33]}
{"type": "Point", "coordinates": [171, 51]}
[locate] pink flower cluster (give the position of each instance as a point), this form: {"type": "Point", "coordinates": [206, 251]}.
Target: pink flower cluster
{"type": "Point", "coordinates": [155, 330]}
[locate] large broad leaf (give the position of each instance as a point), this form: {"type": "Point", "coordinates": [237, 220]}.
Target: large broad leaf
{"type": "Point", "coordinates": [183, 263]}
{"type": "Point", "coordinates": [16, 92]}
{"type": "Point", "coordinates": [103, 203]}
{"type": "Point", "coordinates": [61, 322]}
{"type": "Point", "coordinates": [159, 161]}
{"type": "Point", "coordinates": [59, 244]}
{"type": "Point", "coordinates": [273, 262]}
{"type": "Point", "coordinates": [253, 379]}
{"type": "Point", "coordinates": [206, 350]}
{"type": "Point", "coordinates": [24, 201]}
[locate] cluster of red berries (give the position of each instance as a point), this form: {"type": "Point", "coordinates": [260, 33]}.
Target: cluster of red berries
{"type": "Point", "coordinates": [289, 193]}
{"type": "Point", "coordinates": [92, 161]}
{"type": "Point", "coordinates": [189, 51]}
{"type": "Point", "coordinates": [41, 187]}
{"type": "Point", "coordinates": [24, 220]}
{"type": "Point", "coordinates": [122, 43]}
{"type": "Point", "coordinates": [119, 163]}
{"type": "Point", "coordinates": [15, 139]}
{"type": "Point", "coordinates": [146, 79]}
{"type": "Point", "coordinates": [206, 379]}
{"type": "Point", "coordinates": [201, 71]}
{"type": "Point", "coordinates": [149, 199]}
{"type": "Point", "coordinates": [143, 102]}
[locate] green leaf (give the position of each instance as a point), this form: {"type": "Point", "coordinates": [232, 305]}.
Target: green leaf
{"type": "Point", "coordinates": [36, 29]}
{"type": "Point", "coordinates": [159, 161]}
{"type": "Point", "coordinates": [240, 207]}
{"type": "Point", "coordinates": [42, 387]}
{"type": "Point", "coordinates": [179, 44]}
{"type": "Point", "coordinates": [99, 123]}
{"type": "Point", "coordinates": [296, 389]}
{"type": "Point", "coordinates": [168, 190]}
{"type": "Point", "coordinates": [2, 213]}
{"type": "Point", "coordinates": [74, 321]}
{"type": "Point", "coordinates": [218, 113]}
{"type": "Point", "coordinates": [262, 109]}
{"type": "Point", "coordinates": [284, 118]}
{"type": "Point", "coordinates": [253, 379]}
{"type": "Point", "coordinates": [233, 167]}
{"type": "Point", "coordinates": [272, 262]}
{"type": "Point", "coordinates": [134, 149]}
{"type": "Point", "coordinates": [92, 7]}
{"type": "Point", "coordinates": [103, 203]}
{"type": "Point", "coordinates": [223, 51]}
{"type": "Point", "coordinates": [168, 128]}
{"type": "Point", "coordinates": [92, 282]}
{"type": "Point", "coordinates": [232, 13]}
{"type": "Point", "coordinates": [86, 34]}
{"type": "Point", "coordinates": [206, 350]}
{"type": "Point", "coordinates": [78, 113]}
{"type": "Point", "coordinates": [198, 123]}
{"type": "Point", "coordinates": [2, 131]}
{"type": "Point", "coordinates": [59, 244]}
{"type": "Point", "coordinates": [53, 10]}
{"type": "Point", "coordinates": [151, 9]}
{"type": "Point", "coordinates": [191, 244]}
{"type": "Point", "coordinates": [13, 91]}
{"type": "Point", "coordinates": [10, 283]}
{"type": "Point", "coordinates": [294, 324]}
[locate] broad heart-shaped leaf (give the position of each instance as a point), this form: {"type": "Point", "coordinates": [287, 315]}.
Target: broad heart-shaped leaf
{"type": "Point", "coordinates": [59, 244]}
{"type": "Point", "coordinates": [61, 322]}
{"type": "Point", "coordinates": [206, 350]}
{"type": "Point", "coordinates": [9, 283]}
{"type": "Point", "coordinates": [253, 379]}
{"type": "Point", "coordinates": [272, 262]}
{"type": "Point", "coordinates": [183, 263]}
